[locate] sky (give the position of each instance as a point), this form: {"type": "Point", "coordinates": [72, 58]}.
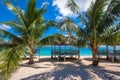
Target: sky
{"type": "Point", "coordinates": [56, 10]}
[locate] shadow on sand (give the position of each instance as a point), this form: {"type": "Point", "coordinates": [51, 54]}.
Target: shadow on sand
{"type": "Point", "coordinates": [73, 72]}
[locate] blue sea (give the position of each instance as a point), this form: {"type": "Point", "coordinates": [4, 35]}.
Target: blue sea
{"type": "Point", "coordinates": [84, 51]}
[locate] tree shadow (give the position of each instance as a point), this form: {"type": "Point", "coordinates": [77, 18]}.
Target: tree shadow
{"type": "Point", "coordinates": [33, 66]}
{"type": "Point", "coordinates": [36, 64]}
{"type": "Point", "coordinates": [76, 70]}
{"type": "Point", "coordinates": [42, 60]}
{"type": "Point", "coordinates": [56, 60]}
{"type": "Point", "coordinates": [114, 65]}
{"type": "Point", "coordinates": [102, 60]}
{"type": "Point", "coordinates": [103, 73]}
{"type": "Point", "coordinates": [64, 71]}
{"type": "Point", "coordinates": [88, 59]}
{"type": "Point", "coordinates": [106, 74]}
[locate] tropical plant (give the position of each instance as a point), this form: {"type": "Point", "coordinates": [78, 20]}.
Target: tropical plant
{"type": "Point", "coordinates": [30, 27]}
{"type": "Point", "coordinates": [99, 18]}
{"type": "Point", "coordinates": [69, 26]}
{"type": "Point", "coordinates": [111, 39]}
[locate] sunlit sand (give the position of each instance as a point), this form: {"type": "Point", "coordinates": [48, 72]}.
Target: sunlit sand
{"type": "Point", "coordinates": [46, 68]}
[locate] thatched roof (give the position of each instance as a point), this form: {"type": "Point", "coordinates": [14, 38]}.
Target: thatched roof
{"type": "Point", "coordinates": [68, 41]}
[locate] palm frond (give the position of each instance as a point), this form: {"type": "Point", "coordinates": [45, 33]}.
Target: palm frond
{"type": "Point", "coordinates": [73, 6]}
{"type": "Point", "coordinates": [4, 33]}
{"type": "Point", "coordinates": [42, 10]}
{"type": "Point", "coordinates": [111, 16]}
{"type": "Point", "coordinates": [10, 60]}
{"type": "Point", "coordinates": [19, 13]}
{"type": "Point", "coordinates": [68, 25]}
{"type": "Point", "coordinates": [14, 25]}
{"type": "Point", "coordinates": [52, 39]}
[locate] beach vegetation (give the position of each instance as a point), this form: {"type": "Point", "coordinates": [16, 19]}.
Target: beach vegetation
{"type": "Point", "coordinates": [30, 26]}
{"type": "Point", "coordinates": [99, 21]}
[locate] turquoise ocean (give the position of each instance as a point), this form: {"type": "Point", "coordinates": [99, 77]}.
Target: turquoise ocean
{"type": "Point", "coordinates": [84, 51]}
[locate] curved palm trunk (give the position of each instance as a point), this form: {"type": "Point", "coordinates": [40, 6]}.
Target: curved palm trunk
{"type": "Point", "coordinates": [31, 60]}
{"type": "Point", "coordinates": [94, 53]}
{"type": "Point", "coordinates": [94, 45]}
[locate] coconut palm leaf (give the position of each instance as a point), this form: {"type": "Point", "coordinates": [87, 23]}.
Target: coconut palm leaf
{"type": "Point", "coordinates": [53, 40]}
{"type": "Point", "coordinates": [10, 60]}
{"type": "Point", "coordinates": [17, 11]}
{"type": "Point", "coordinates": [4, 33]}
{"type": "Point", "coordinates": [67, 25]}
{"type": "Point", "coordinates": [71, 27]}
{"type": "Point", "coordinates": [112, 14]}
{"type": "Point", "coordinates": [15, 25]}
{"type": "Point", "coordinates": [101, 16]}
{"type": "Point", "coordinates": [73, 6]}
{"type": "Point", "coordinates": [31, 26]}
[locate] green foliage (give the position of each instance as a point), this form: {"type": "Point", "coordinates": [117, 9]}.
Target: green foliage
{"type": "Point", "coordinates": [68, 25]}
{"type": "Point", "coordinates": [55, 39]}
{"type": "Point", "coordinates": [30, 25]}
{"type": "Point", "coordinates": [10, 59]}
{"type": "Point", "coordinates": [99, 20]}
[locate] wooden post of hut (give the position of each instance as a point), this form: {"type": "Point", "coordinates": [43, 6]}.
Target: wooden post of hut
{"type": "Point", "coordinates": [52, 48]}
{"type": "Point", "coordinates": [78, 53]}
{"type": "Point", "coordinates": [107, 55]}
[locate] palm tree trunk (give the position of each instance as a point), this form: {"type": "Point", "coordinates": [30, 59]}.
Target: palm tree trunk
{"type": "Point", "coordinates": [31, 60]}
{"type": "Point", "coordinates": [94, 53]}
{"type": "Point", "coordinates": [94, 46]}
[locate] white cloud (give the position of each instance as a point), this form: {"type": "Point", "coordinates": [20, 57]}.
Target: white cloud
{"type": "Point", "coordinates": [59, 18]}
{"type": "Point", "coordinates": [45, 3]}
{"type": "Point", "coordinates": [85, 4]}
{"type": "Point", "coordinates": [60, 6]}
{"type": "Point", "coordinates": [5, 27]}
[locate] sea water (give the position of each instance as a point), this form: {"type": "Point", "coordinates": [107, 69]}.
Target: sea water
{"type": "Point", "coordinates": [84, 51]}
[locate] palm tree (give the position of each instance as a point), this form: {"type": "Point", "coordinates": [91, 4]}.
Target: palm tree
{"type": "Point", "coordinates": [69, 26]}
{"type": "Point", "coordinates": [31, 26]}
{"type": "Point", "coordinates": [111, 39]}
{"type": "Point", "coordinates": [101, 15]}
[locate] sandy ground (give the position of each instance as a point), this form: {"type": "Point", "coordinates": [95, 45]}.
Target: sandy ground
{"type": "Point", "coordinates": [46, 68]}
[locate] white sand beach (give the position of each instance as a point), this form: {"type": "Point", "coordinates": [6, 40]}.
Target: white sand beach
{"type": "Point", "coordinates": [46, 68]}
